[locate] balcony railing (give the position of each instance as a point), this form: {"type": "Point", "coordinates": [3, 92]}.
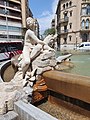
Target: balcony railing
{"type": "Point", "coordinates": [10, 16]}
{"type": "Point", "coordinates": [14, 6]}
{"type": "Point", "coordinates": [11, 7]}
{"type": "Point", "coordinates": [66, 19]}
{"type": "Point", "coordinates": [85, 1]}
{"type": "Point", "coordinates": [85, 29]}
{"type": "Point", "coordinates": [85, 15]}
{"type": "Point", "coordinates": [14, 1]}
{"type": "Point", "coordinates": [10, 13]}
{"type": "Point", "coordinates": [63, 31]}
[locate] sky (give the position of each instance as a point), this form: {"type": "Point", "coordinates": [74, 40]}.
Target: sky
{"type": "Point", "coordinates": [44, 12]}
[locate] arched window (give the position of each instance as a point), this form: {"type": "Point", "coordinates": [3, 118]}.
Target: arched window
{"type": "Point", "coordinates": [70, 3]}
{"type": "Point", "coordinates": [70, 38]}
{"type": "Point", "coordinates": [70, 13]}
{"type": "Point", "coordinates": [83, 24]}
{"type": "Point", "coordinates": [65, 16]}
{"type": "Point", "coordinates": [87, 23]}
{"type": "Point", "coordinates": [64, 6]}
{"type": "Point", "coordinates": [65, 41]}
{"type": "Point", "coordinates": [67, 5]}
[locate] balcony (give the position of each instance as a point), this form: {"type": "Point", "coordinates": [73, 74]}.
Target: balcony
{"type": "Point", "coordinates": [85, 29]}
{"type": "Point", "coordinates": [14, 5]}
{"type": "Point", "coordinates": [63, 32]}
{"type": "Point", "coordinates": [14, 9]}
{"type": "Point", "coordinates": [85, 15]}
{"type": "Point", "coordinates": [85, 1]}
{"type": "Point", "coordinates": [64, 20]}
{"type": "Point", "coordinates": [10, 16]}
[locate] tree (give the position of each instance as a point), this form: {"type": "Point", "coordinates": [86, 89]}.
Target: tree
{"type": "Point", "coordinates": [49, 31]}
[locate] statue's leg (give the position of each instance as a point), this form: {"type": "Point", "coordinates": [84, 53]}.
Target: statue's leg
{"type": "Point", "coordinates": [26, 59]}
{"type": "Point", "coordinates": [36, 51]}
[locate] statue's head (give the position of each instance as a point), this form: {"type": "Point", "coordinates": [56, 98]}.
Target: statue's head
{"type": "Point", "coordinates": [50, 40]}
{"type": "Point", "coordinates": [31, 22]}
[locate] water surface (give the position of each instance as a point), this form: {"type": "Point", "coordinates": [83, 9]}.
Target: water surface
{"type": "Point", "coordinates": [81, 65]}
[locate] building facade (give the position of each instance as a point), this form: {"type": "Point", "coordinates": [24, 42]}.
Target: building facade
{"type": "Point", "coordinates": [73, 23]}
{"type": "Point", "coordinates": [13, 14]}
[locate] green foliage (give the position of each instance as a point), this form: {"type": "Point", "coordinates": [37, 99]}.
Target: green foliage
{"type": "Point", "coordinates": [49, 31]}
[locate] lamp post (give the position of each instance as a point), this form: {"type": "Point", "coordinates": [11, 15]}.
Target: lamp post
{"type": "Point", "coordinates": [6, 12]}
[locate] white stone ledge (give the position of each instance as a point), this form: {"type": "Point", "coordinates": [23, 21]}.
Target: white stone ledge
{"type": "Point", "coordinates": [30, 112]}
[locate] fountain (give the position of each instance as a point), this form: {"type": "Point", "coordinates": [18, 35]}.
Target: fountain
{"type": "Point", "coordinates": [33, 78]}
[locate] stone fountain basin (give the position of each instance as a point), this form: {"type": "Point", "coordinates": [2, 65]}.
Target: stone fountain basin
{"type": "Point", "coordinates": [62, 97]}
{"type": "Point", "coordinates": [6, 71]}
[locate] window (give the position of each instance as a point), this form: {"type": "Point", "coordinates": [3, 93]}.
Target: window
{"type": "Point", "coordinates": [87, 24]}
{"type": "Point", "coordinates": [83, 24]}
{"type": "Point", "coordinates": [65, 28]}
{"type": "Point", "coordinates": [3, 49]}
{"type": "Point", "coordinates": [70, 13]}
{"type": "Point", "coordinates": [65, 41]}
{"type": "Point", "coordinates": [88, 10]}
{"type": "Point", "coordinates": [70, 38]}
{"type": "Point", "coordinates": [84, 11]}
{"type": "Point", "coordinates": [81, 45]}
{"type": "Point", "coordinates": [67, 5]}
{"type": "Point", "coordinates": [1, 2]}
{"type": "Point", "coordinates": [87, 44]}
{"type": "Point", "coordinates": [10, 28]}
{"type": "Point", "coordinates": [70, 3]}
{"type": "Point", "coordinates": [65, 16]}
{"type": "Point", "coordinates": [2, 11]}
{"type": "Point", "coordinates": [2, 27]}
{"type": "Point", "coordinates": [70, 25]}
{"type": "Point", "coordinates": [64, 6]}
{"type": "Point", "coordinates": [3, 36]}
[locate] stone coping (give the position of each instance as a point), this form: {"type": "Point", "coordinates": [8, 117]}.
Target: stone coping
{"type": "Point", "coordinates": [30, 112]}
{"type": "Point", "coordinates": [71, 85]}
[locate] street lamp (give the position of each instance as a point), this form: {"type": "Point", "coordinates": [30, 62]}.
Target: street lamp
{"type": "Point", "coordinates": [6, 12]}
